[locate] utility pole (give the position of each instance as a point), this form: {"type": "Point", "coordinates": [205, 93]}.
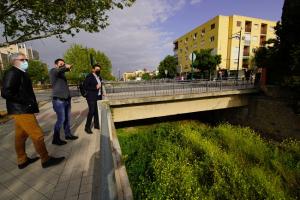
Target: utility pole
{"type": "Point", "coordinates": [238, 64]}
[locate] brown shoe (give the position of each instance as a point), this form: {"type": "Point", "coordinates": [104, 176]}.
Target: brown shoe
{"type": "Point", "coordinates": [28, 162]}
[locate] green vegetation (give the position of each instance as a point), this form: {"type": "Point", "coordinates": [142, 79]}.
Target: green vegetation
{"type": "Point", "coordinates": [281, 56]}
{"type": "Point", "coordinates": [38, 72]}
{"type": "Point", "coordinates": [190, 160]}
{"type": "Point", "coordinates": [206, 61]}
{"type": "Point", "coordinates": [168, 67]}
{"type": "Point", "coordinates": [80, 58]}
{"type": "Point", "coordinates": [29, 20]}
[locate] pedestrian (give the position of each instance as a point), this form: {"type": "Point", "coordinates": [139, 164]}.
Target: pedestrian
{"type": "Point", "coordinates": [93, 86]}
{"type": "Point", "coordinates": [21, 104]}
{"type": "Point", "coordinates": [61, 100]}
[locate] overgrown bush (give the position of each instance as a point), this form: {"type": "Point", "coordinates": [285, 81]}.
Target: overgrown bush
{"type": "Point", "coordinates": [190, 160]}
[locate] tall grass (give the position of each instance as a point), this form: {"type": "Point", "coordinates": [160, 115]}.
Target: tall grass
{"type": "Point", "coordinates": [190, 160]}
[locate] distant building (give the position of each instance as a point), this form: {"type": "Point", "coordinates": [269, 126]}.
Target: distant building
{"type": "Point", "coordinates": [6, 51]}
{"type": "Point", "coordinates": [222, 35]}
{"type": "Point", "coordinates": [137, 75]}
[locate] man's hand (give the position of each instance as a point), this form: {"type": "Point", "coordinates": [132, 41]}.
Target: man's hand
{"type": "Point", "coordinates": [68, 66]}
{"type": "Point", "coordinates": [98, 86]}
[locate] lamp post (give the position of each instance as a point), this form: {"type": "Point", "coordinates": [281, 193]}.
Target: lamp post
{"type": "Point", "coordinates": [238, 64]}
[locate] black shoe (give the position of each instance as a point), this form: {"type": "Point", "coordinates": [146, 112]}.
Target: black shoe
{"type": "Point", "coordinates": [28, 162]}
{"type": "Point", "coordinates": [52, 161]}
{"type": "Point", "coordinates": [71, 137]}
{"type": "Point", "coordinates": [97, 127]}
{"type": "Point", "coordinates": [88, 130]}
{"type": "Point", "coordinates": [59, 142]}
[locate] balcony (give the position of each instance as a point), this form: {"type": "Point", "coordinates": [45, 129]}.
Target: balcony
{"type": "Point", "coordinates": [175, 46]}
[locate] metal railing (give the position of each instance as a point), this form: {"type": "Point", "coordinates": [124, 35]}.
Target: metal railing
{"type": "Point", "coordinates": [122, 90]}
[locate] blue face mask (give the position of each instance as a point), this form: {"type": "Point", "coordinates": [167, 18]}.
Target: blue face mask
{"type": "Point", "coordinates": [24, 65]}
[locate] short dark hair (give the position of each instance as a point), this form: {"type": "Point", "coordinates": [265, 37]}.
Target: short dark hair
{"type": "Point", "coordinates": [57, 60]}
{"type": "Point", "coordinates": [96, 65]}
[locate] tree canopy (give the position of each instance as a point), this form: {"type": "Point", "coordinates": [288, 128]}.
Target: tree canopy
{"type": "Point", "coordinates": [205, 60]}
{"type": "Point", "coordinates": [169, 65]}
{"type": "Point", "coordinates": [80, 58]}
{"type": "Point", "coordinates": [38, 71]}
{"type": "Point", "coordinates": [282, 55]}
{"type": "Point", "coordinates": [26, 20]}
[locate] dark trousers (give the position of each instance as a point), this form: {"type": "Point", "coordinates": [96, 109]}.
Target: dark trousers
{"type": "Point", "coordinates": [93, 113]}
{"type": "Point", "coordinates": [63, 113]}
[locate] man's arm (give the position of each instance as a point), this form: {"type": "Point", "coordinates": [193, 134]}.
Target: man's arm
{"type": "Point", "coordinates": [11, 86]}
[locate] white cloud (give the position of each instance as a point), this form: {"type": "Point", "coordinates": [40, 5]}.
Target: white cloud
{"type": "Point", "coordinates": [132, 41]}
{"type": "Point", "coordinates": [193, 2]}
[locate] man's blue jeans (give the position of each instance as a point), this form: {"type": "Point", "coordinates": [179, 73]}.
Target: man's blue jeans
{"type": "Point", "coordinates": [63, 113]}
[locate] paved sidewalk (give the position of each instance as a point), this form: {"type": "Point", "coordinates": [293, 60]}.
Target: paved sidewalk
{"type": "Point", "coordinates": [76, 178]}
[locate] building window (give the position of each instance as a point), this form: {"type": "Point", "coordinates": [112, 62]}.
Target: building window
{"type": "Point", "coordinates": [248, 25]}
{"type": "Point", "coordinates": [212, 26]}
{"type": "Point", "coordinates": [238, 23]}
{"type": "Point", "coordinates": [212, 38]}
{"type": "Point", "coordinates": [195, 36]}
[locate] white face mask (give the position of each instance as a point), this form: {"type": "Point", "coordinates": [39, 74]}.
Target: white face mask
{"type": "Point", "coordinates": [24, 65]}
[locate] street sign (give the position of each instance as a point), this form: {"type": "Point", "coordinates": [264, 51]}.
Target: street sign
{"type": "Point", "coordinates": [192, 57]}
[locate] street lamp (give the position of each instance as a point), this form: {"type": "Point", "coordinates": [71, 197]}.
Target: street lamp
{"type": "Point", "coordinates": [166, 72]}
{"type": "Point", "coordinates": [238, 65]}
{"type": "Point", "coordinates": [240, 39]}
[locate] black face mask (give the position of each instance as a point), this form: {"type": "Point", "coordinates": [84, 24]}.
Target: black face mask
{"type": "Point", "coordinates": [97, 72]}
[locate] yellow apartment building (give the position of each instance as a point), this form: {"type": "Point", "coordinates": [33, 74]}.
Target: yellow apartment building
{"type": "Point", "coordinates": [222, 35]}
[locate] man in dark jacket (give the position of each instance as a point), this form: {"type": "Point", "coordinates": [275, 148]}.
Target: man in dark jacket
{"type": "Point", "coordinates": [21, 104]}
{"type": "Point", "coordinates": [93, 86]}
{"type": "Point", "coordinates": [61, 100]}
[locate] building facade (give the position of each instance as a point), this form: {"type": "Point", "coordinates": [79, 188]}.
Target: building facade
{"type": "Point", "coordinates": [222, 34]}
{"type": "Point", "coordinates": [6, 51]}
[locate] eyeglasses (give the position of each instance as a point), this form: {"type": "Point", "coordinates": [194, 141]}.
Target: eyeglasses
{"type": "Point", "coordinates": [23, 59]}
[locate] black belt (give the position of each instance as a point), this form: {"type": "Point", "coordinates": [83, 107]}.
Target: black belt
{"type": "Point", "coordinates": [62, 99]}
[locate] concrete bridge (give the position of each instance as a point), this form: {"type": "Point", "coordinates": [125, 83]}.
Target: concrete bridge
{"type": "Point", "coordinates": [148, 100]}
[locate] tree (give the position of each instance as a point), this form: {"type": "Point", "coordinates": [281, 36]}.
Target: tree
{"type": "Point", "coordinates": [35, 19]}
{"type": "Point", "coordinates": [146, 77]}
{"type": "Point", "coordinates": [169, 65]}
{"type": "Point", "coordinates": [282, 55]}
{"type": "Point", "coordinates": [80, 58]}
{"type": "Point", "coordinates": [38, 71]}
{"type": "Point", "coordinates": [206, 61]}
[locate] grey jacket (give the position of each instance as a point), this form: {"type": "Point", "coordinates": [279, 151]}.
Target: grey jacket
{"type": "Point", "coordinates": [59, 83]}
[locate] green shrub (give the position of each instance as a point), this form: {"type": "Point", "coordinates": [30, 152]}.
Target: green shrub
{"type": "Point", "coordinates": [190, 160]}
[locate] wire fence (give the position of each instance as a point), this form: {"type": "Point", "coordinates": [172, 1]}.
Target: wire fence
{"type": "Point", "coordinates": [123, 90]}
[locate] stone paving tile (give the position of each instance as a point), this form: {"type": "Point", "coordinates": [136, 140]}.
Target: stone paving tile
{"type": "Point", "coordinates": [72, 179]}
{"type": "Point", "coordinates": [60, 195]}
{"type": "Point", "coordinates": [85, 196]}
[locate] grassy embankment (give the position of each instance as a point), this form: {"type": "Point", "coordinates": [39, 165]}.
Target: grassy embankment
{"type": "Point", "coordinates": [190, 160]}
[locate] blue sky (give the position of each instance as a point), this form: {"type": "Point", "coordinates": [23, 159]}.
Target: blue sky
{"type": "Point", "coordinates": [142, 35]}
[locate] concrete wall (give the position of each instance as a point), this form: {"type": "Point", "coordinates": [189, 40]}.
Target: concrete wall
{"type": "Point", "coordinates": [273, 118]}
